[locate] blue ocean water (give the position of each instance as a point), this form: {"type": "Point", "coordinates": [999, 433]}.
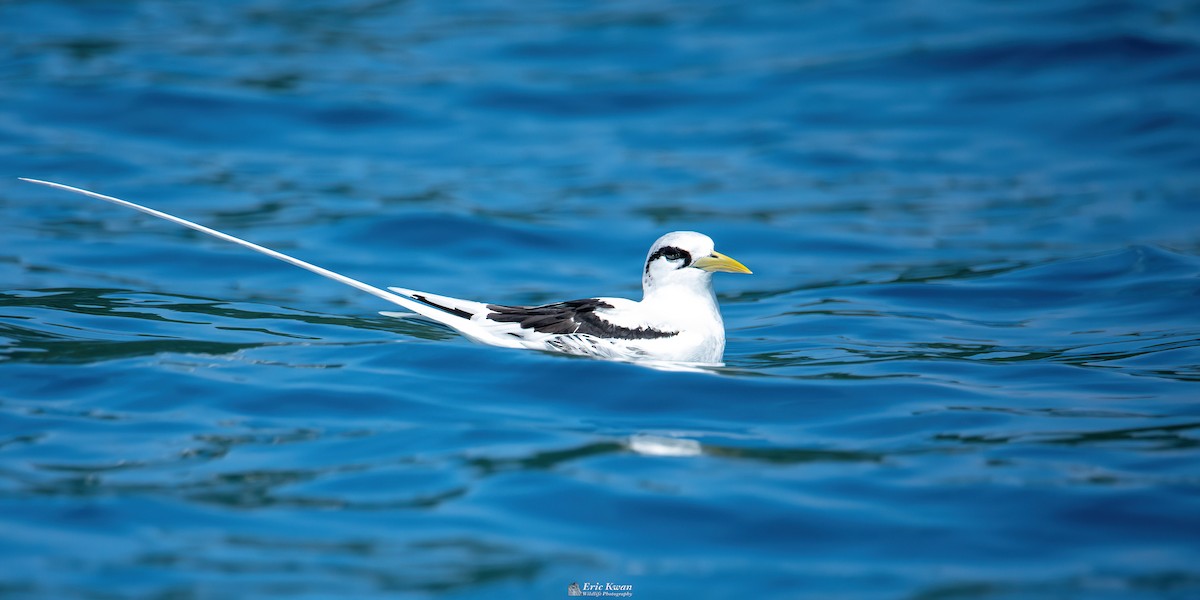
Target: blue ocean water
{"type": "Point", "coordinates": [966, 365]}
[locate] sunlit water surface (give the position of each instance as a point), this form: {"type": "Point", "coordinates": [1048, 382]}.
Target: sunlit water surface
{"type": "Point", "coordinates": [965, 367]}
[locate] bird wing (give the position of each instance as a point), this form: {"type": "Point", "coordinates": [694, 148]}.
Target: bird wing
{"type": "Point", "coordinates": [577, 327]}
{"type": "Point", "coordinates": [432, 312]}
{"type": "Point", "coordinates": [590, 316]}
{"type": "Point", "coordinates": [520, 326]}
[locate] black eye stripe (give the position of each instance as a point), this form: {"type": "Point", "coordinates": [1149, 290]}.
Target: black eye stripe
{"type": "Point", "coordinates": [670, 253]}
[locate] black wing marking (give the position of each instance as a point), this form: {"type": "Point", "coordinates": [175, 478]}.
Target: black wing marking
{"type": "Point", "coordinates": [458, 312]}
{"type": "Point", "coordinates": [575, 316]}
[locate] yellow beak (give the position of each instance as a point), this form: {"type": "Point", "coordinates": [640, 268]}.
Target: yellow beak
{"type": "Point", "coordinates": [719, 262]}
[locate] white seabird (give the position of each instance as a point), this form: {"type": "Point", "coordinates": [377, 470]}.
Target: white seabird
{"type": "Point", "coordinates": [677, 320]}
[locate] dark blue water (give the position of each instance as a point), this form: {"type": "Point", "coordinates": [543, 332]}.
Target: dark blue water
{"type": "Point", "coordinates": [966, 366]}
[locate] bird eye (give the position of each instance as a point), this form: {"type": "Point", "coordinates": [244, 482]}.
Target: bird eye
{"type": "Point", "coordinates": [672, 253]}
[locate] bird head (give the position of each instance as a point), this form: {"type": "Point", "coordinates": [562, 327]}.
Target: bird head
{"type": "Point", "coordinates": [685, 258]}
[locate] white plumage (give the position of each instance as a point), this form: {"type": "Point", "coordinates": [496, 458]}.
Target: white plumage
{"type": "Point", "coordinates": [676, 321]}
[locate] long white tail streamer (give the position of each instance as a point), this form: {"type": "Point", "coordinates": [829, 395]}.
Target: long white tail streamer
{"type": "Point", "coordinates": [463, 325]}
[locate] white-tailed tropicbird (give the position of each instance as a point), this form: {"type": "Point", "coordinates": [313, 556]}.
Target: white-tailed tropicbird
{"type": "Point", "coordinates": [676, 321]}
